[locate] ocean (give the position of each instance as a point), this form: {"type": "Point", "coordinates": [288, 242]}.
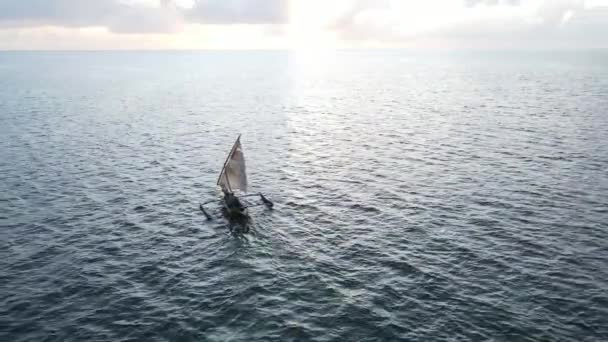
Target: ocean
{"type": "Point", "coordinates": [419, 196]}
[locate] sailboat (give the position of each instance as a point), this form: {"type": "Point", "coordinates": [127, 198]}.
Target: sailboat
{"type": "Point", "coordinates": [233, 184]}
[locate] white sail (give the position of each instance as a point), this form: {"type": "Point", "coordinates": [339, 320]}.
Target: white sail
{"type": "Point", "coordinates": [234, 176]}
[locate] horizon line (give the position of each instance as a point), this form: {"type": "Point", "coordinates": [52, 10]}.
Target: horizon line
{"type": "Point", "coordinates": [572, 49]}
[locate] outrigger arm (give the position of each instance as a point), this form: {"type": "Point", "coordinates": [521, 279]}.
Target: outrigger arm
{"type": "Point", "coordinates": [265, 201]}
{"type": "Point", "coordinates": [203, 210]}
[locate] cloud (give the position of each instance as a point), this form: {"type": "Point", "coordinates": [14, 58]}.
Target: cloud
{"type": "Point", "coordinates": [443, 23]}
{"type": "Point", "coordinates": [473, 3]}
{"type": "Point", "coordinates": [94, 38]}
{"type": "Point", "coordinates": [139, 16]}
{"type": "Point", "coordinates": [116, 15]}
{"type": "Point", "coordinates": [238, 11]}
{"type": "Point", "coordinates": [476, 23]}
{"type": "Point", "coordinates": [163, 19]}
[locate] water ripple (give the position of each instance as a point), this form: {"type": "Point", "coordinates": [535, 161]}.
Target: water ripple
{"type": "Point", "coordinates": [425, 200]}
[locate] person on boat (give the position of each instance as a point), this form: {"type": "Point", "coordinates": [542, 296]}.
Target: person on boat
{"type": "Point", "coordinates": [231, 200]}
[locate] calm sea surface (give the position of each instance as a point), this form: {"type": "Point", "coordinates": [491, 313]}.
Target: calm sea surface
{"type": "Point", "coordinates": [418, 197]}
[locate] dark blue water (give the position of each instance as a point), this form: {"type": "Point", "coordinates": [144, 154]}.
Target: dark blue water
{"type": "Point", "coordinates": [421, 197]}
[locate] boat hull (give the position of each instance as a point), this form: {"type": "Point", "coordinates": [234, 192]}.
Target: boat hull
{"type": "Point", "coordinates": [234, 213]}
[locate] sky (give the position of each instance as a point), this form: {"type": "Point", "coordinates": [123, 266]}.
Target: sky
{"type": "Point", "coordinates": [302, 24]}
